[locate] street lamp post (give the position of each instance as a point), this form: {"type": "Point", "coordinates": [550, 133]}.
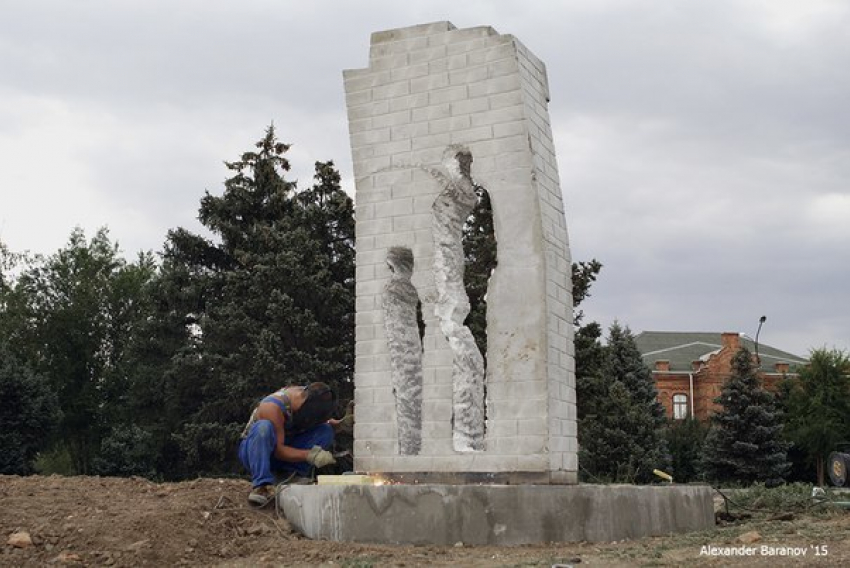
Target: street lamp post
{"type": "Point", "coordinates": [762, 319]}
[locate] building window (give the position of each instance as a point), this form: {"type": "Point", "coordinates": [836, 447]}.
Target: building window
{"type": "Point", "coordinates": [680, 406]}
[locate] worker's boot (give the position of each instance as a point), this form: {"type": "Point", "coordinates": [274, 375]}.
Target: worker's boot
{"type": "Point", "coordinates": [260, 496]}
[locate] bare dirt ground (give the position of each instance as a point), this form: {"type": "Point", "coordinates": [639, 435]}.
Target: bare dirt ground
{"type": "Point", "coordinates": [134, 522]}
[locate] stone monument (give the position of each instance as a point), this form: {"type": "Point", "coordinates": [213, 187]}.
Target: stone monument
{"type": "Point", "coordinates": [484, 454]}
{"type": "Point", "coordinates": [439, 112]}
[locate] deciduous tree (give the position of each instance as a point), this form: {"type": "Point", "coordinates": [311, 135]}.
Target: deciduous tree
{"type": "Point", "coordinates": [68, 317]}
{"type": "Point", "coordinates": [29, 414]}
{"type": "Point", "coordinates": [818, 406]}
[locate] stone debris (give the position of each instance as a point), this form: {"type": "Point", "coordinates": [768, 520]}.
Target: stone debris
{"type": "Point", "coordinates": [137, 546]}
{"type": "Point", "coordinates": [749, 537]}
{"type": "Point", "coordinates": [20, 539]}
{"type": "Point", "coordinates": [67, 558]}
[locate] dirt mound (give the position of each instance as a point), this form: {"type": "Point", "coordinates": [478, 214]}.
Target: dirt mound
{"type": "Point", "coordinates": [134, 522]}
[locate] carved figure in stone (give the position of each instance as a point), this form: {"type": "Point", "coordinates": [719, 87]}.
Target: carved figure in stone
{"type": "Point", "coordinates": [450, 211]}
{"type": "Point", "coordinates": [405, 345]}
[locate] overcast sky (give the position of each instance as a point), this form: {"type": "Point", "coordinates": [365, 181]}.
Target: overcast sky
{"type": "Point", "coordinates": [704, 147]}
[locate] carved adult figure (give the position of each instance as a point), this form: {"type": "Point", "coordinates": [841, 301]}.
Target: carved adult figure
{"type": "Point", "coordinates": [450, 211]}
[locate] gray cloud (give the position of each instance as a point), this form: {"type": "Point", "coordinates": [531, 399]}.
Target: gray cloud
{"type": "Point", "coordinates": [704, 148]}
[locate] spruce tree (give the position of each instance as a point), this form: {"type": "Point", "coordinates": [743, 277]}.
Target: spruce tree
{"type": "Point", "coordinates": [620, 432]}
{"type": "Point", "coordinates": [591, 387]}
{"type": "Point", "coordinates": [479, 250]}
{"type": "Point", "coordinates": [745, 442]}
{"type": "Point", "coordinates": [589, 352]}
{"type": "Point", "coordinates": [273, 300]}
{"type": "Point", "coordinates": [584, 274]}
{"type": "Point", "coordinates": [684, 440]}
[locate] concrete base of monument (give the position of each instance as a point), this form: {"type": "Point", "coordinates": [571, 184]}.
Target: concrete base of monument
{"type": "Point", "coordinates": [495, 514]}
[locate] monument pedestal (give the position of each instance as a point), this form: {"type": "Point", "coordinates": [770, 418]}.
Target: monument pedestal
{"type": "Point", "coordinates": [502, 515]}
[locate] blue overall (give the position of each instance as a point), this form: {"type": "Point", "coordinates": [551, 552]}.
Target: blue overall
{"type": "Point", "coordinates": [256, 451]}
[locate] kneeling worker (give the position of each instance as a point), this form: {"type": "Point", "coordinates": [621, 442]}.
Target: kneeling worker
{"type": "Point", "coordinates": [290, 432]}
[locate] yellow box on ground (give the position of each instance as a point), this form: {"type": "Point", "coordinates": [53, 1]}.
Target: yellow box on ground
{"type": "Point", "coordinates": [345, 480]}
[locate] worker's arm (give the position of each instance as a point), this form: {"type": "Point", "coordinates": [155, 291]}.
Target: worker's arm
{"type": "Point", "coordinates": [270, 411]}
{"type": "Point", "coordinates": [346, 423]}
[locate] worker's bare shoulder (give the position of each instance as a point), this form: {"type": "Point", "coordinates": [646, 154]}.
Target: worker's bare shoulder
{"type": "Point", "coordinates": [270, 411]}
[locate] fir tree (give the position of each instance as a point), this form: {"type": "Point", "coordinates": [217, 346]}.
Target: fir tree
{"type": "Point", "coordinates": [744, 443]}
{"type": "Point", "coordinates": [272, 302]}
{"type": "Point", "coordinates": [589, 352]}
{"type": "Point", "coordinates": [479, 249]}
{"type": "Point", "coordinates": [591, 387]}
{"type": "Point", "coordinates": [584, 274]}
{"type": "Point", "coordinates": [684, 440]}
{"type": "Point", "coordinates": [620, 432]}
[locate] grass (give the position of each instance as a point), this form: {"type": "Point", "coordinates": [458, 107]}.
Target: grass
{"type": "Point", "coordinates": [789, 498]}
{"type": "Point", "coordinates": [360, 562]}
{"type": "Point", "coordinates": [809, 523]}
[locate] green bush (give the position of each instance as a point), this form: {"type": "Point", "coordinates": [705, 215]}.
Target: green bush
{"type": "Point", "coordinates": [788, 498]}
{"type": "Point", "coordinates": [126, 451]}
{"type": "Point", "coordinates": [55, 461]}
{"type": "Point", "coordinates": [684, 440]}
{"type": "Point", "coordinates": [29, 413]}
{"type": "Point", "coordinates": [211, 448]}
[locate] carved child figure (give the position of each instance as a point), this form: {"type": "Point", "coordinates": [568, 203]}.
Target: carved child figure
{"type": "Point", "coordinates": [405, 345]}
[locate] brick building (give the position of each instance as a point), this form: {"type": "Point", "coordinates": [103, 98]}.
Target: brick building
{"type": "Point", "coordinates": [690, 369]}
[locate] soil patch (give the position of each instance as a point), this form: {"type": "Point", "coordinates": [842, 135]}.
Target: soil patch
{"type": "Point", "coordinates": [135, 522]}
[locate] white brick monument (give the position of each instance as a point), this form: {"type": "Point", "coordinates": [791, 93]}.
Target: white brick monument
{"type": "Point", "coordinates": [438, 112]}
